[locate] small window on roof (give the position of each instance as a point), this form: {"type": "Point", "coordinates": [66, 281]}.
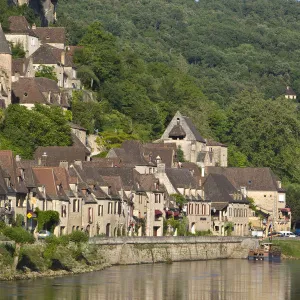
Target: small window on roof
{"type": "Point", "coordinates": [249, 181]}
{"type": "Point", "coordinates": [47, 37]}
{"type": "Point", "coordinates": [25, 94]}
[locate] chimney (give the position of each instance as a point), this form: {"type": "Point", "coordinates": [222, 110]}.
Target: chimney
{"type": "Point", "coordinates": [78, 163]}
{"type": "Point", "coordinates": [158, 160]}
{"type": "Point", "coordinates": [63, 58]}
{"type": "Point", "coordinates": [161, 168]}
{"type": "Point", "coordinates": [64, 164]}
{"type": "Point", "coordinates": [202, 171]}
{"type": "Point", "coordinates": [44, 159]}
{"type": "Point", "coordinates": [18, 157]}
{"type": "Point", "coordinates": [33, 26]}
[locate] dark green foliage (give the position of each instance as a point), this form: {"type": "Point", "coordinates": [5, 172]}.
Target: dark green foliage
{"type": "Point", "coordinates": [293, 200]}
{"type": "Point", "coordinates": [17, 51]}
{"type": "Point", "coordinates": [24, 130]}
{"type": "Point", "coordinates": [78, 237]}
{"type": "Point", "coordinates": [19, 220]}
{"type": "Point", "coordinates": [179, 199]}
{"type": "Point", "coordinates": [6, 11]}
{"type": "Point", "coordinates": [180, 154]}
{"type": "Point", "coordinates": [19, 235]}
{"type": "Point", "coordinates": [47, 220]}
{"type": "Point", "coordinates": [47, 72]}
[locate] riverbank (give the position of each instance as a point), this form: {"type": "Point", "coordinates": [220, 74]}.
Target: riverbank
{"type": "Point", "coordinates": [59, 258]}
{"type": "Point", "coordinates": [290, 248]}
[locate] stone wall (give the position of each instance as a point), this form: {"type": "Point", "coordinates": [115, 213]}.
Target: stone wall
{"type": "Point", "coordinates": [137, 250]}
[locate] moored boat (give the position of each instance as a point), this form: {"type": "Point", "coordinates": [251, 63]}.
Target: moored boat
{"type": "Point", "coordinates": [266, 252]}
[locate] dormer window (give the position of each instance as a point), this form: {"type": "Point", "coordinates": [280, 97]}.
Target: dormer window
{"type": "Point", "coordinates": [7, 181]}
{"type": "Point", "coordinates": [47, 37]}
{"type": "Point", "coordinates": [178, 121]}
{"type": "Point", "coordinates": [109, 190]}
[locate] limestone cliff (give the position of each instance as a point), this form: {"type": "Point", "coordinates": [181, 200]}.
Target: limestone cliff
{"type": "Point", "coordinates": [45, 8]}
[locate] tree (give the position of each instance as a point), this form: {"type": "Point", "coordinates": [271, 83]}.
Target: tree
{"type": "Point", "coordinates": [19, 236]}
{"type": "Point", "coordinates": [25, 129]}
{"type": "Point", "coordinates": [47, 72]}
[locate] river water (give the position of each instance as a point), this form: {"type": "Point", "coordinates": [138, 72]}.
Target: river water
{"type": "Point", "coordinates": [203, 280]}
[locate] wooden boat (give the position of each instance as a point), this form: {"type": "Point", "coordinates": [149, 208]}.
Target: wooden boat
{"type": "Point", "coordinates": [266, 252]}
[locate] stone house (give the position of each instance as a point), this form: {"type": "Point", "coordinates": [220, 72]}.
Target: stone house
{"type": "Point", "coordinates": [13, 185]}
{"type": "Point", "coordinates": [265, 189]}
{"type": "Point", "coordinates": [37, 90]}
{"type": "Point", "coordinates": [196, 149]}
{"type": "Point", "coordinates": [63, 65]}
{"type": "Point", "coordinates": [50, 195]}
{"type": "Point", "coordinates": [53, 36]}
{"type": "Point", "coordinates": [228, 205]}
{"type": "Point", "coordinates": [22, 67]}
{"type": "Point", "coordinates": [148, 204]}
{"type": "Point", "coordinates": [289, 93]}
{"type": "Point", "coordinates": [20, 32]}
{"type": "Point", "coordinates": [181, 181]}
{"type": "Point", "coordinates": [5, 71]}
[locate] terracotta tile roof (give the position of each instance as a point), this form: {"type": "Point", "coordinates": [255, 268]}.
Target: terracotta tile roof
{"type": "Point", "coordinates": [45, 176]}
{"type": "Point", "coordinates": [51, 34]}
{"type": "Point", "coordinates": [4, 46]}
{"type": "Point", "coordinates": [19, 24]}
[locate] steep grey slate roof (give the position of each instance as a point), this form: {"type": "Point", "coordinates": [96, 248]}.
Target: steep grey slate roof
{"type": "Point", "coordinates": [4, 46]}
{"type": "Point", "coordinates": [255, 179]}
{"type": "Point", "coordinates": [177, 132]}
{"type": "Point", "coordinates": [217, 188]}
{"type": "Point", "coordinates": [181, 178]}
{"type": "Point", "coordinates": [194, 130]}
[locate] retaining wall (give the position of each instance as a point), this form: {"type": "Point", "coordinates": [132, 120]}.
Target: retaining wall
{"type": "Point", "coordinates": [137, 250]}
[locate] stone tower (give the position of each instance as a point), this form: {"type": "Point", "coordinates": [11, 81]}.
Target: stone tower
{"type": "Point", "coordinates": [5, 71]}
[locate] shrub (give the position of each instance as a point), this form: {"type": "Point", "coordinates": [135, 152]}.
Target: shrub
{"type": "Point", "coordinates": [19, 235]}
{"type": "Point", "coordinates": [78, 237]}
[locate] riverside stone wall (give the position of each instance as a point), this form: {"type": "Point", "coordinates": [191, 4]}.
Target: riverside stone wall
{"type": "Point", "coordinates": [137, 250]}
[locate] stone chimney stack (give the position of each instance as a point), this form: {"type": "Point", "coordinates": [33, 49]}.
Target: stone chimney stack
{"type": "Point", "coordinates": [63, 58]}
{"type": "Point", "coordinates": [44, 159]}
{"type": "Point", "coordinates": [161, 168]}
{"type": "Point", "coordinates": [33, 26]}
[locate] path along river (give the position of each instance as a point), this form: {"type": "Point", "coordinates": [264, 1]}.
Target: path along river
{"type": "Point", "coordinates": [213, 280]}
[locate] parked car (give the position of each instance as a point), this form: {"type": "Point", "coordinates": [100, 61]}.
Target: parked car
{"type": "Point", "coordinates": [274, 234]}
{"type": "Point", "coordinates": [42, 234]}
{"type": "Point", "coordinates": [287, 234]}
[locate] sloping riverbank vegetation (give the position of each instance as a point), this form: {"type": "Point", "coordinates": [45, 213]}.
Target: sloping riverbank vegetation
{"type": "Point", "coordinates": [21, 258]}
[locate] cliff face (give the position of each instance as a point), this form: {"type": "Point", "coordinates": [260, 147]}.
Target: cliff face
{"type": "Point", "coordinates": [45, 8]}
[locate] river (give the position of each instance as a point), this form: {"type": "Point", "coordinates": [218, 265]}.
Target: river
{"type": "Point", "coordinates": [213, 280]}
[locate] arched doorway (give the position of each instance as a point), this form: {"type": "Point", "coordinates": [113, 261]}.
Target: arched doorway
{"type": "Point", "coordinates": [107, 232]}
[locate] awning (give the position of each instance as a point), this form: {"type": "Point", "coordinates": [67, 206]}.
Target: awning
{"type": "Point", "coordinates": [176, 213]}
{"type": "Point", "coordinates": [158, 212]}
{"type": "Point", "coordinates": [169, 213]}
{"type": "Point", "coordinates": [285, 209]}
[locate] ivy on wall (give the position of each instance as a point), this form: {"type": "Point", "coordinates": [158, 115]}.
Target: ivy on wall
{"type": "Point", "coordinates": [47, 219]}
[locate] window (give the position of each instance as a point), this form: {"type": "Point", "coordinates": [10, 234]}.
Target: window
{"type": "Point", "coordinates": [75, 205]}
{"type": "Point", "coordinates": [100, 210]}
{"type": "Point", "coordinates": [115, 207]}
{"type": "Point", "coordinates": [230, 212]}
{"type": "Point", "coordinates": [203, 209]}
{"type": "Point", "coordinates": [245, 213]}
{"type": "Point", "coordinates": [63, 211]}
{"type": "Point", "coordinates": [157, 198]}
{"type": "Point", "coordinates": [90, 215]}
{"type": "Point", "coordinates": [109, 208]}
{"type": "Point", "coordinates": [140, 199]}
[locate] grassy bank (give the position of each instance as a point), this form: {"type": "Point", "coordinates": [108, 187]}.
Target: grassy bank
{"type": "Point", "coordinates": [290, 248]}
{"type": "Point", "coordinates": [69, 254]}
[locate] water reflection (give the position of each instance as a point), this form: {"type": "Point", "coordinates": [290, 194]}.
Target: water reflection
{"type": "Point", "coordinates": [213, 280]}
